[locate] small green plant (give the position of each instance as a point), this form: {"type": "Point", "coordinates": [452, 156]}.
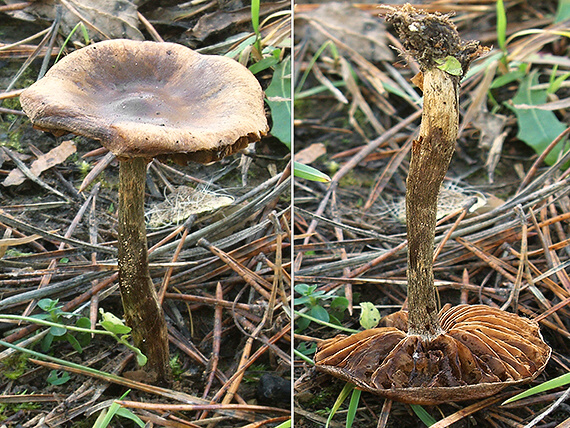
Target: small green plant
{"type": "Point", "coordinates": [307, 348]}
{"type": "Point", "coordinates": [54, 314]}
{"type": "Point", "coordinates": [83, 167]}
{"type": "Point", "coordinates": [115, 409]}
{"type": "Point", "coordinates": [286, 424]}
{"type": "Point", "coordinates": [112, 326]}
{"type": "Point", "coordinates": [176, 366]}
{"type": "Point", "coordinates": [348, 389]}
{"type": "Point", "coordinates": [278, 95]}
{"type": "Point", "coordinates": [314, 300]}
{"type": "Point", "coordinates": [254, 372]}
{"type": "Point", "coordinates": [537, 128]}
{"type": "Point", "coordinates": [369, 315]}
{"type": "Point", "coordinates": [11, 138]}
{"type": "Point", "coordinates": [117, 327]}
{"type": "Point", "coordinates": [56, 378]}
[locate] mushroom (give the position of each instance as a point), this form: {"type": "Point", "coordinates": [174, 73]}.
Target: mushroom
{"type": "Point", "coordinates": [146, 100]}
{"type": "Point", "coordinates": [426, 356]}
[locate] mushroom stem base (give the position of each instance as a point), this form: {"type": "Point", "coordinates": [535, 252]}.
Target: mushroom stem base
{"type": "Point", "coordinates": [143, 312]}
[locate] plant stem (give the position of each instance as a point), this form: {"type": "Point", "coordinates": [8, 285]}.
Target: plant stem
{"type": "Point", "coordinates": [143, 312]}
{"type": "Point", "coordinates": [431, 154]}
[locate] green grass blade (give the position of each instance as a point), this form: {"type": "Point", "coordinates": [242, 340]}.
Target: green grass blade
{"type": "Point", "coordinates": [548, 385]}
{"type": "Point", "coordinates": [501, 26]}
{"type": "Point", "coordinates": [127, 414]}
{"type": "Point", "coordinates": [286, 424]}
{"type": "Point", "coordinates": [116, 409]}
{"type": "Point", "coordinates": [255, 22]}
{"type": "Point", "coordinates": [563, 11]}
{"type": "Point", "coordinates": [100, 419]}
{"type": "Point", "coordinates": [340, 399]}
{"type": "Point", "coordinates": [327, 44]}
{"type": "Point", "coordinates": [71, 33]}
{"type": "Point", "coordinates": [556, 83]}
{"type": "Point", "coordinates": [310, 173]}
{"type": "Point", "coordinates": [424, 416]}
{"type": "Point", "coordinates": [85, 33]}
{"type": "Point", "coordinates": [352, 407]}
{"type": "Point", "coordinates": [303, 357]}
{"type": "Point", "coordinates": [255, 15]}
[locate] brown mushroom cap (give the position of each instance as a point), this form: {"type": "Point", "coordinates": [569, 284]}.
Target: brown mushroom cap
{"type": "Point", "coordinates": [150, 99]}
{"type": "Point", "coordinates": [481, 351]}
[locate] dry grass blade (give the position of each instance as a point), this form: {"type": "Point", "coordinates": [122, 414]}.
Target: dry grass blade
{"type": "Point", "coordinates": [163, 392]}
{"type": "Point", "coordinates": [192, 407]}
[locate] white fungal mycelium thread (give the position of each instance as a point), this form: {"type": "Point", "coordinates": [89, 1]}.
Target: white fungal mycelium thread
{"type": "Point", "coordinates": [451, 198]}
{"type": "Point", "coordinates": [182, 203]}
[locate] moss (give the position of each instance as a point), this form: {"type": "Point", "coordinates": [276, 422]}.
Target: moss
{"type": "Point", "coordinates": [27, 78]}
{"type": "Point", "coordinates": [12, 103]}
{"type": "Point", "coordinates": [254, 373]}
{"type": "Point", "coordinates": [12, 252]}
{"type": "Point", "coordinates": [6, 410]}
{"type": "Point", "coordinates": [356, 180]}
{"type": "Point", "coordinates": [309, 108]}
{"type": "Point", "coordinates": [11, 138]}
{"type": "Point", "coordinates": [14, 366]}
{"type": "Point", "coordinates": [326, 396]}
{"type": "Point", "coordinates": [83, 166]}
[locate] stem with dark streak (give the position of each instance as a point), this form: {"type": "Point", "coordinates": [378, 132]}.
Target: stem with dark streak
{"type": "Point", "coordinates": [431, 154]}
{"type": "Point", "coordinates": [142, 309]}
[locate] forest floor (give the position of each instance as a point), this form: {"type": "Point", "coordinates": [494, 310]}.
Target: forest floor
{"type": "Point", "coordinates": [356, 115]}
{"type": "Point", "coordinates": [227, 300]}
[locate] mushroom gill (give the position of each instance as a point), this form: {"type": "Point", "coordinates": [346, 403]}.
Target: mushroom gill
{"type": "Point", "coordinates": [480, 351]}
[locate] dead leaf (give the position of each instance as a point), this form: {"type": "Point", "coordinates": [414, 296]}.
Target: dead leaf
{"type": "Point", "coordinates": [54, 157]}
{"type": "Point", "coordinates": [492, 136]}
{"type": "Point", "coordinates": [311, 153]}
{"type": "Point", "coordinates": [11, 242]}
{"type": "Point", "coordinates": [220, 20]}
{"type": "Point", "coordinates": [357, 29]}
{"type": "Point", "coordinates": [104, 19]}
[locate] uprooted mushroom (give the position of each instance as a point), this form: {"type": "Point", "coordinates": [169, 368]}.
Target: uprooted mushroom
{"type": "Point", "coordinates": [144, 100]}
{"type": "Point", "coordinates": [426, 356]}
